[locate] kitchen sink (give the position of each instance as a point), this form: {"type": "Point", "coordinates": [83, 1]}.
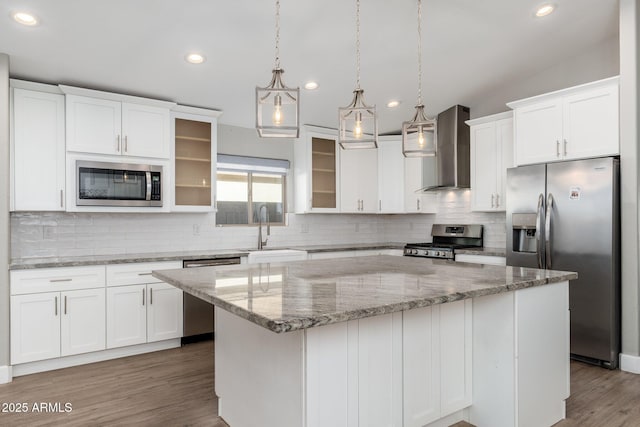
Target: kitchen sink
{"type": "Point", "coordinates": [276, 255]}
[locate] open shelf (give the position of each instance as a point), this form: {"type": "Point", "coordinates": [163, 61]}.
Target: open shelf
{"type": "Point", "coordinates": [323, 171]}
{"type": "Point", "coordinates": [193, 138]}
{"type": "Point", "coordinates": [193, 159]}
{"type": "Point", "coordinates": [193, 163]}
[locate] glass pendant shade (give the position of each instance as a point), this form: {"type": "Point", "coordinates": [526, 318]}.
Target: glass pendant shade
{"type": "Point", "coordinates": [419, 135]}
{"type": "Point", "coordinates": [277, 109]}
{"type": "Point", "coordinates": [358, 127]}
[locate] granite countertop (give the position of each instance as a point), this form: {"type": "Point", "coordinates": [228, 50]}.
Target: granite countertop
{"type": "Point", "coordinates": [75, 261]}
{"type": "Point", "coordinates": [483, 251]}
{"type": "Point", "coordinates": [290, 296]}
{"type": "Point", "coordinates": [49, 262]}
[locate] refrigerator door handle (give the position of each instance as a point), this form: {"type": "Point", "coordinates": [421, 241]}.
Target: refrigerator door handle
{"type": "Point", "coordinates": [548, 230]}
{"type": "Point", "coordinates": [539, 214]}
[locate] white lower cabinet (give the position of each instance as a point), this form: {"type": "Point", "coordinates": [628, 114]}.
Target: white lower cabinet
{"type": "Point", "coordinates": [126, 315]}
{"type": "Point", "coordinates": [82, 323]}
{"type": "Point", "coordinates": [140, 308]}
{"type": "Point", "coordinates": [164, 312]}
{"type": "Point", "coordinates": [56, 312]}
{"type": "Point", "coordinates": [143, 313]}
{"type": "Point", "coordinates": [403, 369]}
{"type": "Point", "coordinates": [35, 327]}
{"type": "Point", "coordinates": [481, 259]}
{"type": "Point", "coordinates": [68, 311]}
{"type": "Point", "coordinates": [54, 324]}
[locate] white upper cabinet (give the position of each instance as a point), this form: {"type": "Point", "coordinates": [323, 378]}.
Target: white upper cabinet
{"type": "Point", "coordinates": [574, 123]}
{"type": "Point", "coordinates": [194, 147]}
{"type": "Point", "coordinates": [359, 181]}
{"type": "Point", "coordinates": [112, 124]}
{"type": "Point", "coordinates": [390, 176]}
{"type": "Point", "coordinates": [94, 125]}
{"type": "Point", "coordinates": [37, 151]}
{"type": "Point", "coordinates": [491, 155]}
{"type": "Point", "coordinates": [317, 175]}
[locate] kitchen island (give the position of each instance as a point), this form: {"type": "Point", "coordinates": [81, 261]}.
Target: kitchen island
{"type": "Point", "coordinates": [384, 340]}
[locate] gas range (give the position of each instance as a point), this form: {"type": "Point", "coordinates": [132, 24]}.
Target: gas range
{"type": "Point", "coordinates": [446, 239]}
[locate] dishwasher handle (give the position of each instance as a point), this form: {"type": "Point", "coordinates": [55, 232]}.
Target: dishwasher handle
{"type": "Point", "coordinates": [210, 262]}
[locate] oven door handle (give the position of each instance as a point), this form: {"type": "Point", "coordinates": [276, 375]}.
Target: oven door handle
{"type": "Point", "coordinates": [148, 176]}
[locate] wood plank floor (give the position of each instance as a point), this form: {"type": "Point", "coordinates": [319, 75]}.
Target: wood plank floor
{"type": "Point", "coordinates": [175, 388]}
{"type": "Point", "coordinates": [166, 388]}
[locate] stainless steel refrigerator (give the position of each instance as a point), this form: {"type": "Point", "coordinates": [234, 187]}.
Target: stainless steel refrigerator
{"type": "Point", "coordinates": [566, 216]}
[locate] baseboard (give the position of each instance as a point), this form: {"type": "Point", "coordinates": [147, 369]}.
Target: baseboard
{"type": "Point", "coordinates": [630, 363]}
{"type": "Point", "coordinates": [5, 374]}
{"type": "Point", "coordinates": [98, 356]}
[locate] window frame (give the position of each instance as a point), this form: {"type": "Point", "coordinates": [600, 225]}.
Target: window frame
{"type": "Point", "coordinates": [250, 210]}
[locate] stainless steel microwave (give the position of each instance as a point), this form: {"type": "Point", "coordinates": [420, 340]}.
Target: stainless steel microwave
{"type": "Point", "coordinates": [118, 184]}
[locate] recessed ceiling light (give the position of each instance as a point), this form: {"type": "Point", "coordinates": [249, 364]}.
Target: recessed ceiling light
{"type": "Point", "coordinates": [393, 104]}
{"type": "Point", "coordinates": [25, 18]}
{"type": "Point", "coordinates": [545, 10]}
{"type": "Point", "coordinates": [195, 58]}
{"type": "Point", "coordinates": [311, 85]}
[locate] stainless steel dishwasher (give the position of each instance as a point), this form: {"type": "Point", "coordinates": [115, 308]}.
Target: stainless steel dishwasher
{"type": "Point", "coordinates": [198, 314]}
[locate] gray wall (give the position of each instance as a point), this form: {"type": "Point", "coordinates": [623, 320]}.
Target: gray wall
{"type": "Point", "coordinates": [629, 136]}
{"type": "Point", "coordinates": [600, 61]}
{"type": "Point", "coordinates": [4, 209]}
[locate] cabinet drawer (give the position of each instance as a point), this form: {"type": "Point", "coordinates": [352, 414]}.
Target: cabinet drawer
{"type": "Point", "coordinates": [137, 273]}
{"type": "Point", "coordinates": [56, 279]}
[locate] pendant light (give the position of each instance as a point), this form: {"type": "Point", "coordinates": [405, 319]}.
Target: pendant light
{"type": "Point", "coordinates": [358, 125]}
{"type": "Point", "coordinates": [419, 134]}
{"type": "Point", "coordinates": [277, 106]}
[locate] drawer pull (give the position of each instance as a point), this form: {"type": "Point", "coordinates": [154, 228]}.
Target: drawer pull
{"type": "Point", "coordinates": [59, 280]}
{"type": "Point", "coordinates": [144, 274]}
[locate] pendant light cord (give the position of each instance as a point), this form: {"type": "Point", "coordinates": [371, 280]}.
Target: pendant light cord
{"type": "Point", "coordinates": [358, 44]}
{"type": "Point", "coordinates": [277, 35]}
{"type": "Point", "coordinates": [419, 52]}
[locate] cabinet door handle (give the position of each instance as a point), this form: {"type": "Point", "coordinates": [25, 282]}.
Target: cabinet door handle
{"type": "Point", "coordinates": [418, 203]}
{"type": "Point", "coordinates": [379, 205]}
{"type": "Point", "coordinates": [118, 144]}
{"type": "Point", "coordinates": [55, 306]}
{"type": "Point", "coordinates": [126, 143]}
{"type": "Point", "coordinates": [62, 198]}
{"type": "Point", "coordinates": [557, 148]}
{"type": "Point", "coordinates": [143, 297]}
{"type": "Point", "coordinates": [151, 296]}
{"type": "Point", "coordinates": [565, 147]}
{"type": "Point", "coordinates": [497, 200]}
{"type": "Point", "coordinates": [59, 280]}
{"type": "Point", "coordinates": [65, 304]}
{"type": "Point", "coordinates": [492, 200]}
{"type": "Point", "coordinates": [215, 201]}
{"type": "Point", "coordinates": [144, 274]}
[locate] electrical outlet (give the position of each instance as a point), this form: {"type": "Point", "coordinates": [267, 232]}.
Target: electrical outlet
{"type": "Point", "coordinates": [304, 228]}
{"type": "Point", "coordinates": [357, 227]}
{"type": "Point", "coordinates": [196, 229]}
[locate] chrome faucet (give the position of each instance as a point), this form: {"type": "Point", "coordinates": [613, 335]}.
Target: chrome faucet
{"type": "Point", "coordinates": [261, 243]}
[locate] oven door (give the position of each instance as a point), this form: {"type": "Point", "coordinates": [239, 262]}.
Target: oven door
{"type": "Point", "coordinates": [116, 184]}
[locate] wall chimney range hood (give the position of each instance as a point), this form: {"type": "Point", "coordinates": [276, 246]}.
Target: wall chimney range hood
{"type": "Point", "coordinates": [453, 157]}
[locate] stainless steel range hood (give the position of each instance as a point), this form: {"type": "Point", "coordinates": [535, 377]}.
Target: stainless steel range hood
{"type": "Point", "coordinates": [452, 161]}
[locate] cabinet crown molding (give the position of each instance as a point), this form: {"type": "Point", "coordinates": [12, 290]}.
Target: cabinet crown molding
{"type": "Point", "coordinates": [491, 118]}
{"type": "Point", "coordinates": [91, 93]}
{"type": "Point", "coordinates": [563, 92]}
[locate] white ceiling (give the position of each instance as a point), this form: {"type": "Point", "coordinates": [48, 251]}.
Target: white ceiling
{"type": "Point", "coordinates": [470, 47]}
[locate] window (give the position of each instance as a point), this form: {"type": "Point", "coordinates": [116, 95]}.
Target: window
{"type": "Point", "coordinates": [250, 188]}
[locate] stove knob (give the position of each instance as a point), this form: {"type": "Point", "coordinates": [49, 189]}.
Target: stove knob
{"type": "Point", "coordinates": [414, 252]}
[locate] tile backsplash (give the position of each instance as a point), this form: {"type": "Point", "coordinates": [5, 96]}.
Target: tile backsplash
{"type": "Point", "coordinates": [52, 234]}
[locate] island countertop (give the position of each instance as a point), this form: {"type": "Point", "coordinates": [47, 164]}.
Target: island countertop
{"type": "Point", "coordinates": [296, 295]}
